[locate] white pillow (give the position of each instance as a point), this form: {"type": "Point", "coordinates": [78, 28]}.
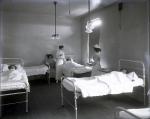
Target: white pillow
{"type": "Point", "coordinates": [4, 67]}
{"type": "Point", "coordinates": [132, 76]}
{"type": "Point", "coordinates": [19, 67]}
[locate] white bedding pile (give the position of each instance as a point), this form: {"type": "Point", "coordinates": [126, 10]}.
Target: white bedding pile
{"type": "Point", "coordinates": [11, 80]}
{"type": "Point", "coordinates": [109, 83]}
{"type": "Point", "coordinates": [36, 70]}
{"type": "Point", "coordinates": [71, 67]}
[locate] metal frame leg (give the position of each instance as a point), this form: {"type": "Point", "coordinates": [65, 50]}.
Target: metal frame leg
{"type": "Point", "coordinates": [49, 79]}
{"type": "Point", "coordinates": [75, 104]}
{"type": "Point", "coordinates": [62, 95]}
{"type": "Point", "coordinates": [27, 101]}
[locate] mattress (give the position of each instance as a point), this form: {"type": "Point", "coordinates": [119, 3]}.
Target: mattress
{"type": "Point", "coordinates": [14, 80]}
{"type": "Point", "coordinates": [36, 70]}
{"type": "Point", "coordinates": [12, 85]}
{"type": "Point", "coordinates": [109, 83]}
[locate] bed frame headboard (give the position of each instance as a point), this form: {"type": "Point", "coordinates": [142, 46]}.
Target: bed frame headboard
{"type": "Point", "coordinates": [131, 65]}
{"type": "Point", "coordinates": [12, 61]}
{"type": "Point", "coordinates": [134, 66]}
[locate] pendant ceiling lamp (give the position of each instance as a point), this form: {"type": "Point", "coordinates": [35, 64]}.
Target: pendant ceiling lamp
{"type": "Point", "coordinates": [91, 24]}
{"type": "Point", "coordinates": [55, 36]}
{"type": "Point", "coordinates": [88, 27]}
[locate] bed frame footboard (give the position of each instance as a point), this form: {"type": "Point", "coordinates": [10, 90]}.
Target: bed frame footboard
{"type": "Point", "coordinates": [76, 96]}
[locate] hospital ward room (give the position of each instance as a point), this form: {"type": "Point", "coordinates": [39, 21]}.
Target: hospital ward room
{"type": "Point", "coordinates": [75, 59]}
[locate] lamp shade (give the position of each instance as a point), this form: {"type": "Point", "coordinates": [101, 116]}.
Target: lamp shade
{"type": "Point", "coordinates": [55, 37]}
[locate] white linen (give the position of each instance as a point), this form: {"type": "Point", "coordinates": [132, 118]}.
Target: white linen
{"type": "Point", "coordinates": [16, 79]}
{"type": "Point", "coordinates": [109, 83]}
{"type": "Point", "coordinates": [70, 67]}
{"type": "Point", "coordinates": [143, 113]}
{"type": "Point", "coordinates": [36, 70]}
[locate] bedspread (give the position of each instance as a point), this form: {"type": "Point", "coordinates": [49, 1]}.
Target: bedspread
{"type": "Point", "coordinates": [36, 70]}
{"type": "Point", "coordinates": [110, 83]}
{"type": "Point", "coordinates": [14, 80]}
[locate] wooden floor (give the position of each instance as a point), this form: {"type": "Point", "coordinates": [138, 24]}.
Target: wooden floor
{"type": "Point", "coordinates": [44, 103]}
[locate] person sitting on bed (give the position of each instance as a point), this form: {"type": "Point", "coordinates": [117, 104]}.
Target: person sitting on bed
{"type": "Point", "coordinates": [50, 62]}
{"type": "Point", "coordinates": [68, 66]}
{"type": "Point", "coordinates": [96, 70]}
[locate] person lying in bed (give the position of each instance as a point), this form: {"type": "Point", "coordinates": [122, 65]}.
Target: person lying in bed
{"type": "Point", "coordinates": [13, 73]}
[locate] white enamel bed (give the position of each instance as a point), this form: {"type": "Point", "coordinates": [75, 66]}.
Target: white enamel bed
{"type": "Point", "coordinates": [36, 70]}
{"type": "Point", "coordinates": [13, 83]}
{"type": "Point", "coordinates": [105, 84]}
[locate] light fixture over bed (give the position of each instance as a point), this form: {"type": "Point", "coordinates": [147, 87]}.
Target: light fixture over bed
{"type": "Point", "coordinates": [91, 24]}
{"type": "Point", "coordinates": [55, 36]}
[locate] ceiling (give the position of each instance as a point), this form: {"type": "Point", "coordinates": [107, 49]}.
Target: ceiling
{"type": "Point", "coordinates": [76, 7]}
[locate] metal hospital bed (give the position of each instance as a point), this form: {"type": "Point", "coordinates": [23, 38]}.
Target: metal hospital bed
{"type": "Point", "coordinates": [14, 91]}
{"type": "Point", "coordinates": [130, 65]}
{"type": "Point", "coordinates": [138, 113]}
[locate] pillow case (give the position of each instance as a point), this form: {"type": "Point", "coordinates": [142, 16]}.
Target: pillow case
{"type": "Point", "coordinates": [132, 76]}
{"type": "Point", "coordinates": [4, 67]}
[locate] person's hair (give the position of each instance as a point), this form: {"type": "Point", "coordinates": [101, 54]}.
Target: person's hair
{"type": "Point", "coordinates": [49, 55]}
{"type": "Point", "coordinates": [61, 46]}
{"type": "Point", "coordinates": [97, 49]}
{"type": "Point", "coordinates": [124, 70]}
{"type": "Point", "coordinates": [12, 66]}
{"type": "Point", "coordinates": [68, 59]}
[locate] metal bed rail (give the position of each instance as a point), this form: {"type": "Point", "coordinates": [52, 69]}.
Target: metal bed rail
{"type": "Point", "coordinates": [12, 61]}
{"type": "Point", "coordinates": [140, 71]}
{"type": "Point", "coordinates": [17, 93]}
{"type": "Point", "coordinates": [76, 93]}
{"type": "Point", "coordinates": [15, 61]}
{"type": "Point", "coordinates": [75, 106]}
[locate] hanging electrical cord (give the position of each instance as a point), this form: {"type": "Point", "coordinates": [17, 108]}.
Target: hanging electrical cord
{"type": "Point", "coordinates": [55, 36]}
{"type": "Point", "coordinates": [69, 8]}
{"type": "Point", "coordinates": [88, 26]}
{"type": "Point", "coordinates": [89, 9]}
{"type": "Point", "coordinates": [120, 7]}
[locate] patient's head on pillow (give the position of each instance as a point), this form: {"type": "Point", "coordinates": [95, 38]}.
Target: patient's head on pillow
{"type": "Point", "coordinates": [12, 67]}
{"type": "Point", "coordinates": [49, 56]}
{"type": "Point", "coordinates": [68, 59]}
{"type": "Point", "coordinates": [124, 70]}
{"type": "Point", "coordinates": [132, 76]}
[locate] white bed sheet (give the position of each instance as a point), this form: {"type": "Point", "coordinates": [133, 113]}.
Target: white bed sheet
{"type": "Point", "coordinates": [36, 70]}
{"type": "Point", "coordinates": [13, 85]}
{"type": "Point", "coordinates": [110, 83]}
{"type": "Point", "coordinates": [15, 80]}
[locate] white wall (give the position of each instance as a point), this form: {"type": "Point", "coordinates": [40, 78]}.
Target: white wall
{"type": "Point", "coordinates": [1, 39]}
{"type": "Point", "coordinates": [28, 36]}
{"type": "Point", "coordinates": [129, 42]}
